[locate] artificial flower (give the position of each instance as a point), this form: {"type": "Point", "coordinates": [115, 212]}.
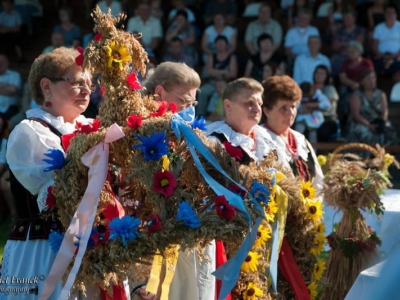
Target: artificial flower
{"type": "Point", "coordinates": [134, 121]}
{"type": "Point", "coordinates": [251, 262]}
{"type": "Point", "coordinates": [57, 159]}
{"type": "Point", "coordinates": [199, 123]}
{"type": "Point", "coordinates": [318, 270]}
{"type": "Point", "coordinates": [260, 192]}
{"type": "Point", "coordinates": [163, 108]}
{"type": "Point", "coordinates": [388, 160]}
{"type": "Point", "coordinates": [79, 59]}
{"type": "Point", "coordinates": [318, 245]}
{"type": "Point", "coordinates": [321, 160]}
{"type": "Point", "coordinates": [224, 209]}
{"type": "Point", "coordinates": [55, 240]}
{"type": "Point", "coordinates": [164, 183]}
{"type": "Point", "coordinates": [154, 224]}
{"type": "Point", "coordinates": [89, 127]}
{"type": "Point", "coordinates": [314, 210]}
{"type": "Point", "coordinates": [319, 228]}
{"type": "Point", "coordinates": [133, 81]}
{"type": "Point", "coordinates": [234, 152]}
{"type": "Point", "coordinates": [312, 290]}
{"type": "Point", "coordinates": [307, 191]}
{"type": "Point", "coordinates": [102, 90]}
{"type": "Point", "coordinates": [270, 211]}
{"type": "Point", "coordinates": [251, 292]}
{"type": "Point", "coordinates": [50, 199]}
{"type": "Point", "coordinates": [117, 55]}
{"type": "Point", "coordinates": [237, 190]}
{"type": "Point", "coordinates": [187, 215]}
{"type": "Point", "coordinates": [100, 237]}
{"type": "Point", "coordinates": [263, 235]}
{"type": "Point", "coordinates": [126, 228]}
{"type": "Point", "coordinates": [97, 37]}
{"type": "Point", "coordinates": [153, 147]}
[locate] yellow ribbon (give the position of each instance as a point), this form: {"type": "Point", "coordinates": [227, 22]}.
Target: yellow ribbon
{"type": "Point", "coordinates": [154, 280]}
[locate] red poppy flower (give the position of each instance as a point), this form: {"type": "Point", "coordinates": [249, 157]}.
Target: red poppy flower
{"type": "Point", "coordinates": [102, 90]}
{"type": "Point", "coordinates": [79, 59]}
{"type": "Point", "coordinates": [50, 199]}
{"type": "Point", "coordinates": [234, 152]}
{"type": "Point", "coordinates": [100, 238]}
{"type": "Point", "coordinates": [163, 108]}
{"type": "Point", "coordinates": [97, 37]}
{"type": "Point", "coordinates": [134, 121]}
{"type": "Point", "coordinates": [154, 223]}
{"type": "Point", "coordinates": [224, 209]}
{"type": "Point", "coordinates": [66, 139]}
{"type": "Point", "coordinates": [133, 81]}
{"type": "Point", "coordinates": [90, 127]}
{"type": "Point", "coordinates": [237, 190]}
{"type": "Point", "coordinates": [164, 183]}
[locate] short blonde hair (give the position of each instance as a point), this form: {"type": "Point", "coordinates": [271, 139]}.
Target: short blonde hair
{"type": "Point", "coordinates": [50, 65]}
{"type": "Point", "coordinates": [172, 74]}
{"type": "Point", "coordinates": [239, 85]}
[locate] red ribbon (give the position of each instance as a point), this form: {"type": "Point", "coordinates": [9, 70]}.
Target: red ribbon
{"type": "Point", "coordinates": [290, 271]}
{"type": "Point", "coordinates": [118, 293]}
{"type": "Point", "coordinates": [220, 259]}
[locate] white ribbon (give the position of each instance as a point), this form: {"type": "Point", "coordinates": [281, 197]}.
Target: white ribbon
{"type": "Point", "coordinates": [82, 222]}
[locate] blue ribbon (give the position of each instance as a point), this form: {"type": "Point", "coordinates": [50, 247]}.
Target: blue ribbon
{"type": "Point", "coordinates": [228, 273]}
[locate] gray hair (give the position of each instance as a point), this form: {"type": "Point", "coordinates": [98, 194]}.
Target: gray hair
{"type": "Point", "coordinates": [356, 45]}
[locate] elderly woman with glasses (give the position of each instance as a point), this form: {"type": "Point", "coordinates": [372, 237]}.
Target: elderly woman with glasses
{"type": "Point", "coordinates": [62, 89]}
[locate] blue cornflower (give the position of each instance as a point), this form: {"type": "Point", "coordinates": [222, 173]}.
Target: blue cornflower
{"type": "Point", "coordinates": [126, 228]}
{"type": "Point", "coordinates": [187, 215]}
{"type": "Point", "coordinates": [260, 192]}
{"type": "Point", "coordinates": [199, 123]}
{"type": "Point", "coordinates": [153, 147]}
{"type": "Point", "coordinates": [56, 161]}
{"type": "Point", "coordinates": [55, 240]}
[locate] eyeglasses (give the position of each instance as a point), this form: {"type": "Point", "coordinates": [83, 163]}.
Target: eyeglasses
{"type": "Point", "coordinates": [187, 100]}
{"type": "Point", "coordinates": [75, 83]}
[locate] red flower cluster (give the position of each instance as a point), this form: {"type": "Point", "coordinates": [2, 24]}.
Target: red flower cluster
{"type": "Point", "coordinates": [234, 152]}
{"type": "Point", "coordinates": [224, 209]}
{"type": "Point", "coordinates": [97, 37]}
{"type": "Point", "coordinates": [79, 59]}
{"type": "Point", "coordinates": [154, 224]}
{"type": "Point", "coordinates": [102, 90]}
{"type": "Point", "coordinates": [163, 108]}
{"type": "Point", "coordinates": [50, 199]}
{"type": "Point", "coordinates": [133, 82]}
{"type": "Point", "coordinates": [164, 183]}
{"type": "Point", "coordinates": [87, 128]}
{"type": "Point", "coordinates": [134, 121]}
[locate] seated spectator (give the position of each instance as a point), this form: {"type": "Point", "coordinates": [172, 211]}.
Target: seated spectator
{"type": "Point", "coordinates": [176, 54]}
{"type": "Point", "coordinates": [215, 108]}
{"type": "Point", "coordinates": [225, 7]}
{"type": "Point", "coordinates": [296, 39]}
{"type": "Point", "coordinates": [72, 33]}
{"type": "Point", "coordinates": [292, 12]}
{"type": "Point", "coordinates": [115, 7]}
{"type": "Point", "coordinates": [210, 34]}
{"type": "Point", "coordinates": [57, 40]}
{"type": "Point", "coordinates": [178, 6]}
{"type": "Point", "coordinates": [375, 15]}
{"type": "Point", "coordinates": [335, 15]}
{"type": "Point", "coordinates": [157, 9]}
{"type": "Point", "coordinates": [150, 28]}
{"type": "Point", "coordinates": [386, 43]}
{"type": "Point", "coordinates": [10, 28]}
{"type": "Point", "coordinates": [263, 24]}
{"type": "Point", "coordinates": [349, 32]}
{"type": "Point", "coordinates": [330, 130]}
{"type": "Point", "coordinates": [368, 122]}
{"type": "Point", "coordinates": [310, 114]}
{"type": "Point", "coordinates": [10, 87]}
{"type": "Point", "coordinates": [222, 64]}
{"type": "Point", "coordinates": [305, 64]}
{"type": "Point", "coordinates": [26, 9]}
{"type": "Point", "coordinates": [185, 31]}
{"type": "Point", "coordinates": [265, 55]}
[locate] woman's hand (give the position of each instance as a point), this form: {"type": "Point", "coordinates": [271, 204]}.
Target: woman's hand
{"type": "Point", "coordinates": [146, 295]}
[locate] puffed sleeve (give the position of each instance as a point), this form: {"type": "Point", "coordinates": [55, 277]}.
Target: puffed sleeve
{"type": "Point", "coordinates": [25, 153]}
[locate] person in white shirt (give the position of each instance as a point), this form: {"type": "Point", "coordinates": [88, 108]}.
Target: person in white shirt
{"type": "Point", "coordinates": [10, 87]}
{"type": "Point", "coordinates": [305, 64]}
{"type": "Point", "coordinates": [115, 7]}
{"type": "Point", "coordinates": [386, 43]}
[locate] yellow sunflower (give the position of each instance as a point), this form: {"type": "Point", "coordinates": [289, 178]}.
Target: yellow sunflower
{"type": "Point", "coordinates": [321, 160]}
{"type": "Point", "coordinates": [319, 244]}
{"type": "Point", "coordinates": [319, 269]}
{"type": "Point", "coordinates": [312, 289]}
{"type": "Point", "coordinates": [307, 191]}
{"type": "Point", "coordinates": [117, 54]}
{"type": "Point", "coordinates": [263, 235]}
{"type": "Point", "coordinates": [314, 210]}
{"type": "Point", "coordinates": [251, 292]}
{"type": "Point", "coordinates": [271, 210]}
{"type": "Point", "coordinates": [318, 228]}
{"type": "Point", "coordinates": [251, 262]}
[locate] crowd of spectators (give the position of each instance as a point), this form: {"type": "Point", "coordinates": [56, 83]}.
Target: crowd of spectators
{"type": "Point", "coordinates": [328, 47]}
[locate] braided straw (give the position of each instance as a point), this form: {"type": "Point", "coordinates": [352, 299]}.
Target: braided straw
{"type": "Point", "coordinates": [354, 146]}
